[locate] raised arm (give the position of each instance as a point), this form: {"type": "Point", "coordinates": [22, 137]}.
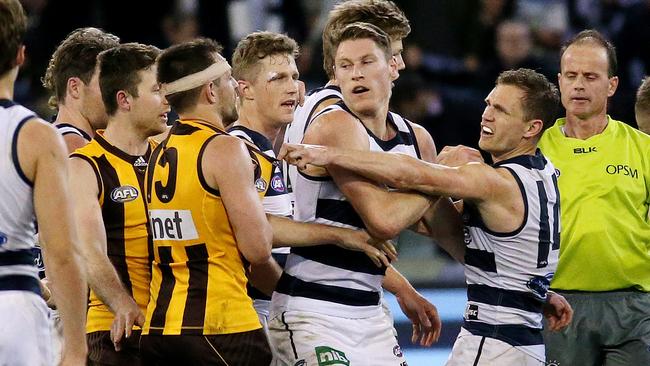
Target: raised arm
{"type": "Point", "coordinates": [384, 213]}
{"type": "Point", "coordinates": [42, 157]}
{"type": "Point", "coordinates": [102, 277]}
{"type": "Point", "coordinates": [227, 167]}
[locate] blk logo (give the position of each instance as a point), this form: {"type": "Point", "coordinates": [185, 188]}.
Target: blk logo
{"type": "Point", "coordinates": [584, 150]}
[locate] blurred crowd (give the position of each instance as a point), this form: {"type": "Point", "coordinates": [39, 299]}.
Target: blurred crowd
{"type": "Point", "coordinates": [453, 55]}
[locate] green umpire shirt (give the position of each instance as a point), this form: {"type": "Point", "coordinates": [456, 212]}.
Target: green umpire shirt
{"type": "Point", "coordinates": [604, 193]}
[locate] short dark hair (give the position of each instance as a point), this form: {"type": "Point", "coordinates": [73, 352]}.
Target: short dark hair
{"type": "Point", "coordinates": [13, 25]}
{"type": "Point", "coordinates": [593, 36]}
{"type": "Point", "coordinates": [185, 59]}
{"type": "Point", "coordinates": [362, 30]}
{"type": "Point", "coordinates": [119, 69]}
{"type": "Point", "coordinates": [256, 46]}
{"type": "Point", "coordinates": [76, 56]}
{"type": "Point", "coordinates": [381, 13]}
{"type": "Point", "coordinates": [541, 97]}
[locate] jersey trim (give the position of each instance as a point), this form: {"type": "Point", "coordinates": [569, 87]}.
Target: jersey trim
{"type": "Point", "coordinates": [14, 150]}
{"type": "Point", "coordinates": [199, 168]}
{"type": "Point", "coordinates": [415, 137]}
{"type": "Point", "coordinates": [75, 130]}
{"type": "Point", "coordinates": [7, 103]}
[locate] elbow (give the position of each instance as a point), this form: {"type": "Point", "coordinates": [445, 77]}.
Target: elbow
{"type": "Point", "coordinates": [257, 249]}
{"type": "Point", "coordinates": [382, 228]}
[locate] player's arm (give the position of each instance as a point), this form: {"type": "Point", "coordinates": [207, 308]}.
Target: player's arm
{"type": "Point", "coordinates": [227, 167]}
{"type": "Point", "coordinates": [101, 274]}
{"type": "Point", "coordinates": [74, 141]}
{"type": "Point", "coordinates": [42, 157]}
{"type": "Point", "coordinates": [385, 214]}
{"type": "Point", "coordinates": [470, 181]}
{"type": "Point", "coordinates": [422, 313]}
{"type": "Point", "coordinates": [290, 233]}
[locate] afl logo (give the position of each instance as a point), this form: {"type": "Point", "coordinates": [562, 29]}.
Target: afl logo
{"type": "Point", "coordinates": [124, 194]}
{"type": "Point", "coordinates": [260, 185]}
{"type": "Point", "coordinates": [277, 184]}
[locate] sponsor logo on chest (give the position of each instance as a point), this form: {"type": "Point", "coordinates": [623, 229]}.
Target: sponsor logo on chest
{"type": "Point", "coordinates": [174, 225]}
{"type": "Point", "coordinates": [124, 194]}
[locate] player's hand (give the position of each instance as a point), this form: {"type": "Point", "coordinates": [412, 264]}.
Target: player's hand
{"type": "Point", "coordinates": [381, 252]}
{"type": "Point", "coordinates": [301, 154]}
{"type": "Point", "coordinates": [46, 294]}
{"type": "Point", "coordinates": [455, 156]}
{"type": "Point", "coordinates": [127, 315]}
{"type": "Point", "coordinates": [557, 311]}
{"type": "Point", "coordinates": [423, 316]}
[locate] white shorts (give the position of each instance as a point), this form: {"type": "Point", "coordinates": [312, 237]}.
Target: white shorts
{"type": "Point", "coordinates": [471, 349]}
{"type": "Point", "coordinates": [312, 339]}
{"type": "Point", "coordinates": [25, 337]}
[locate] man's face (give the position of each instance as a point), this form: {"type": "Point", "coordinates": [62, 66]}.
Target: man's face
{"type": "Point", "coordinates": [584, 82]}
{"type": "Point", "coordinates": [150, 108]}
{"type": "Point", "coordinates": [364, 75]}
{"type": "Point", "coordinates": [92, 106]}
{"type": "Point", "coordinates": [275, 89]}
{"type": "Point", "coordinates": [503, 123]}
{"type": "Point", "coordinates": [226, 90]}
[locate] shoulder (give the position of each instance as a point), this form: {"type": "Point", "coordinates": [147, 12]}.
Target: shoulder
{"type": "Point", "coordinates": [425, 141]}
{"type": "Point", "coordinates": [40, 135]}
{"type": "Point", "coordinates": [333, 126]}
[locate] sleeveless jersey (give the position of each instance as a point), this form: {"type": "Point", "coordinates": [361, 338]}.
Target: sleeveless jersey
{"type": "Point", "coordinates": [17, 219]}
{"type": "Point", "coordinates": [276, 198]}
{"type": "Point", "coordinates": [66, 129]}
{"type": "Point", "coordinates": [302, 117]}
{"type": "Point", "coordinates": [327, 278]}
{"type": "Point", "coordinates": [198, 284]}
{"type": "Point", "coordinates": [120, 179]}
{"type": "Point", "coordinates": [605, 186]}
{"type": "Point", "coordinates": [508, 274]}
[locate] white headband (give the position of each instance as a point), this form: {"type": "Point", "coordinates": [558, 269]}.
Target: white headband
{"type": "Point", "coordinates": [191, 81]}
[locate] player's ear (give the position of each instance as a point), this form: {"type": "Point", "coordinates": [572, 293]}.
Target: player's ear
{"type": "Point", "coordinates": [210, 93]}
{"type": "Point", "coordinates": [535, 127]}
{"type": "Point", "coordinates": [73, 87]}
{"type": "Point", "coordinates": [20, 56]}
{"type": "Point", "coordinates": [245, 89]}
{"type": "Point", "coordinates": [392, 65]}
{"type": "Point", "coordinates": [123, 100]}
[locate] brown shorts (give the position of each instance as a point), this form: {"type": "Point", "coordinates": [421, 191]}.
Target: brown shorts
{"type": "Point", "coordinates": [237, 349]}
{"type": "Point", "coordinates": [101, 351]}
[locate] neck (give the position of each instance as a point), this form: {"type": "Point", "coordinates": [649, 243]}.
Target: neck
{"type": "Point", "coordinates": [7, 82]}
{"type": "Point", "coordinates": [377, 122]}
{"type": "Point", "coordinates": [73, 116]}
{"type": "Point", "coordinates": [122, 134]}
{"type": "Point", "coordinates": [525, 149]}
{"type": "Point", "coordinates": [250, 117]}
{"type": "Point", "coordinates": [207, 114]}
{"type": "Point", "coordinates": [585, 128]}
